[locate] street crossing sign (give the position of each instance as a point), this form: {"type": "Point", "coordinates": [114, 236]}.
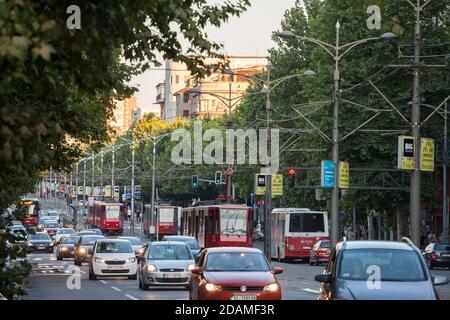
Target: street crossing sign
{"type": "Point", "coordinates": [260, 184]}
{"type": "Point", "coordinates": [344, 175]}
{"type": "Point", "coordinates": [427, 155]}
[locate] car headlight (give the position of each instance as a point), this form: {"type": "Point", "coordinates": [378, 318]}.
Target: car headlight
{"type": "Point", "coordinates": [99, 260]}
{"type": "Point", "coordinates": [190, 267]}
{"type": "Point", "coordinates": [271, 287]}
{"type": "Point", "coordinates": [133, 259]}
{"type": "Point", "coordinates": [63, 248]}
{"type": "Point", "coordinates": [211, 287]}
{"type": "Point", "coordinates": [151, 268]}
{"type": "Point", "coordinates": [30, 244]}
{"type": "Point", "coordinates": [82, 250]}
{"type": "Point", "coordinates": [51, 244]}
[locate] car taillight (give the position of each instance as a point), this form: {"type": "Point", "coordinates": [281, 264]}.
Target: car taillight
{"type": "Point", "coordinates": [434, 256]}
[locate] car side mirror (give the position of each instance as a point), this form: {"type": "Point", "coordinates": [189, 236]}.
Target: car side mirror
{"type": "Point", "coordinates": [324, 278]}
{"type": "Point", "coordinates": [439, 280]}
{"type": "Point", "coordinates": [196, 270]}
{"type": "Point", "coordinates": [277, 270]}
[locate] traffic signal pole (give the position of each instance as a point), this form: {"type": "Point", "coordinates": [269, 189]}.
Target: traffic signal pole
{"type": "Point", "coordinates": [268, 192]}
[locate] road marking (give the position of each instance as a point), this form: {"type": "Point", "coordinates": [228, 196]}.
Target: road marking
{"type": "Point", "coordinates": [311, 290]}
{"type": "Point", "coordinates": [36, 259]}
{"type": "Point", "coordinates": [115, 288]}
{"type": "Point", "coordinates": [103, 281]}
{"type": "Point", "coordinates": [131, 297]}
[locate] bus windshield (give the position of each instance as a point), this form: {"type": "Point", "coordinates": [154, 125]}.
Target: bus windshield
{"type": "Point", "coordinates": [233, 222]}
{"type": "Point", "coordinates": [306, 222]}
{"type": "Point", "coordinates": [112, 212]}
{"type": "Point", "coordinates": [32, 208]}
{"type": "Point", "coordinates": [166, 214]}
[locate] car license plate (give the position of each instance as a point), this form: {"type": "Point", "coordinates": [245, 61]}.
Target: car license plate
{"type": "Point", "coordinates": [171, 275]}
{"type": "Point", "coordinates": [243, 297]}
{"type": "Point", "coordinates": [114, 267]}
{"type": "Point", "coordinates": [445, 255]}
{"type": "Point", "coordinates": [41, 247]}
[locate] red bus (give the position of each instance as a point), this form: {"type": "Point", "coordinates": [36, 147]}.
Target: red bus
{"type": "Point", "coordinates": [294, 231]}
{"type": "Point", "coordinates": [33, 209]}
{"type": "Point", "coordinates": [219, 224]}
{"type": "Point", "coordinates": [107, 216]}
{"type": "Point", "coordinates": [167, 217]}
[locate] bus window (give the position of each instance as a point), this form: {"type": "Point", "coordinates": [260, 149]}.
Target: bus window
{"type": "Point", "coordinates": [306, 222]}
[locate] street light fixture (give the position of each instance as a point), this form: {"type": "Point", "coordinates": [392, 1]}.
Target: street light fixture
{"type": "Point", "coordinates": [336, 51]}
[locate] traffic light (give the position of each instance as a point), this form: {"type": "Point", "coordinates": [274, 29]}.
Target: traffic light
{"type": "Point", "coordinates": [195, 182]}
{"type": "Point", "coordinates": [291, 174]}
{"type": "Point", "coordinates": [218, 177]}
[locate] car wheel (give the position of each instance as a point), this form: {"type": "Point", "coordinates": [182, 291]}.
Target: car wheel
{"type": "Point", "coordinates": [140, 282]}
{"type": "Point", "coordinates": [92, 276]}
{"type": "Point", "coordinates": [145, 286]}
{"type": "Point", "coordinates": [58, 257]}
{"type": "Point", "coordinates": [76, 262]}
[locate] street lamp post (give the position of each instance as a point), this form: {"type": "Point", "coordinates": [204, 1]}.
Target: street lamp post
{"type": "Point", "coordinates": [75, 215]}
{"type": "Point", "coordinates": [335, 51]}
{"type": "Point", "coordinates": [84, 187]}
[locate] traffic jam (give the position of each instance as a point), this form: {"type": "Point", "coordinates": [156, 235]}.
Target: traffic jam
{"type": "Point", "coordinates": [210, 249]}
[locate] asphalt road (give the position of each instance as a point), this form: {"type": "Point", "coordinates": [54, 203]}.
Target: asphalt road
{"type": "Point", "coordinates": [49, 278]}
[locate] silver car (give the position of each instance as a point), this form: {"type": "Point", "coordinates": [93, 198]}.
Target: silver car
{"type": "Point", "coordinates": [136, 244]}
{"type": "Point", "coordinates": [165, 263]}
{"type": "Point", "coordinates": [374, 270]}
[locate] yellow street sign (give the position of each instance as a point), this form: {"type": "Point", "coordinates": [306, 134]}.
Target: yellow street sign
{"type": "Point", "coordinates": [277, 185]}
{"type": "Point", "coordinates": [427, 155]}
{"type": "Point", "coordinates": [344, 175]}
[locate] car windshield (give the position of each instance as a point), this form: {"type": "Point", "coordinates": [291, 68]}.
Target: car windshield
{"type": "Point", "coordinates": [94, 231]}
{"type": "Point", "coordinates": [114, 247]}
{"type": "Point", "coordinates": [325, 244]}
{"type": "Point", "coordinates": [70, 240]}
{"type": "Point", "coordinates": [236, 261]}
{"type": "Point", "coordinates": [39, 236]}
{"type": "Point", "coordinates": [169, 252]}
{"type": "Point", "coordinates": [66, 231]}
{"type": "Point", "coordinates": [192, 243]}
{"type": "Point", "coordinates": [87, 232]}
{"type": "Point", "coordinates": [442, 247]}
{"type": "Point", "coordinates": [90, 240]}
{"type": "Point", "coordinates": [389, 264]}
{"type": "Point", "coordinates": [134, 241]}
{"type": "Point", "coordinates": [50, 225]}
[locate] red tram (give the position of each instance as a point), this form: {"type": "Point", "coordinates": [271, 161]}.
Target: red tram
{"type": "Point", "coordinates": [167, 218]}
{"type": "Point", "coordinates": [33, 210]}
{"type": "Point", "coordinates": [107, 216]}
{"type": "Point", "coordinates": [219, 224]}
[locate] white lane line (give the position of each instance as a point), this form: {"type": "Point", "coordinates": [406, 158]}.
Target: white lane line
{"type": "Point", "coordinates": [129, 296]}
{"type": "Point", "coordinates": [115, 288]}
{"type": "Point", "coordinates": [36, 259]}
{"type": "Point", "coordinates": [103, 281]}
{"type": "Point", "coordinates": [311, 290]}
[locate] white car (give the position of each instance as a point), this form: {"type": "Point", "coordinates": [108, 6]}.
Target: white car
{"type": "Point", "coordinates": [112, 257]}
{"type": "Point", "coordinates": [63, 232]}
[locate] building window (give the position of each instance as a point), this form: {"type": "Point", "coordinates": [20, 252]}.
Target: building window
{"type": "Point", "coordinates": [177, 79]}
{"type": "Point", "coordinates": [185, 98]}
{"type": "Point", "coordinates": [186, 113]}
{"type": "Point", "coordinates": [171, 79]}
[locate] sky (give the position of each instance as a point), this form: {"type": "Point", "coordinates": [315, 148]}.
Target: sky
{"type": "Point", "coordinates": [247, 35]}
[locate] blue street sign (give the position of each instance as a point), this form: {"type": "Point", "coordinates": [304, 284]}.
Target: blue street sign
{"type": "Point", "coordinates": [137, 192]}
{"type": "Point", "coordinates": [128, 192]}
{"type": "Point", "coordinates": [327, 174]}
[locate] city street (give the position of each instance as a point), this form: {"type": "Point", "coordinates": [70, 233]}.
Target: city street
{"type": "Point", "coordinates": [49, 277]}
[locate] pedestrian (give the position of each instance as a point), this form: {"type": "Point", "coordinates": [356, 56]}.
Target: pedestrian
{"type": "Point", "coordinates": [129, 213]}
{"type": "Point", "coordinates": [85, 222]}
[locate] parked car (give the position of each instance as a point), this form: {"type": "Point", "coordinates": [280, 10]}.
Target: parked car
{"type": "Point", "coordinates": [40, 241]}
{"type": "Point", "coordinates": [136, 244]}
{"type": "Point", "coordinates": [320, 252]}
{"type": "Point", "coordinates": [112, 257]}
{"type": "Point", "coordinates": [66, 247]}
{"type": "Point", "coordinates": [190, 241]}
{"type": "Point", "coordinates": [165, 263]}
{"type": "Point", "coordinates": [63, 232]}
{"type": "Point", "coordinates": [398, 269]}
{"type": "Point", "coordinates": [83, 248]}
{"type": "Point", "coordinates": [234, 273]}
{"type": "Point", "coordinates": [437, 255]}
{"type": "Point", "coordinates": [20, 235]}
